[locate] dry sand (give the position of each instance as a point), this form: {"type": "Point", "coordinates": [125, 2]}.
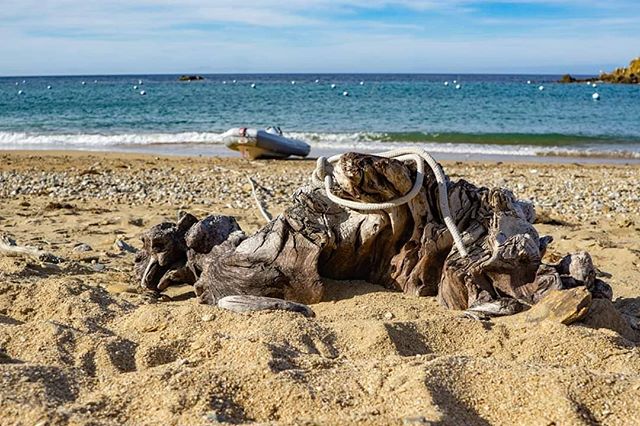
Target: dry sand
{"type": "Point", "coordinates": [79, 344]}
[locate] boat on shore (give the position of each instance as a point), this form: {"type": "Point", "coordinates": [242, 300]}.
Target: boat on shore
{"type": "Point", "coordinates": [268, 143]}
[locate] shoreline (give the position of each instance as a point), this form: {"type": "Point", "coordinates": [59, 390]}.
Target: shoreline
{"type": "Point", "coordinates": [200, 150]}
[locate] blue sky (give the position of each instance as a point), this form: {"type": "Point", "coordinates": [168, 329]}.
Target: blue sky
{"type": "Point", "coordinates": [44, 37]}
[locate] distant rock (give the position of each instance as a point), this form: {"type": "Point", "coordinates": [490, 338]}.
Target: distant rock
{"type": "Point", "coordinates": [628, 75]}
{"type": "Point", "coordinates": [190, 78]}
{"type": "Point", "coordinates": [622, 75]}
{"type": "Point", "coordinates": [567, 78]}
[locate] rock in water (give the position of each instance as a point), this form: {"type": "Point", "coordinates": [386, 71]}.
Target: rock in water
{"type": "Point", "coordinates": [563, 306]}
{"type": "Point", "coordinates": [258, 303]}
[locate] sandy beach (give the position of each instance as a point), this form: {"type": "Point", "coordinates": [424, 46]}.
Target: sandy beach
{"type": "Point", "coordinates": [82, 344]}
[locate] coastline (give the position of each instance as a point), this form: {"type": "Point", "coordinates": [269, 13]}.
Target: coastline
{"type": "Point", "coordinates": [80, 344]}
{"type": "Point", "coordinates": [219, 150]}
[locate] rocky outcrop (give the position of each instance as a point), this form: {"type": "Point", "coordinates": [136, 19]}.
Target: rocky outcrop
{"type": "Point", "coordinates": [628, 75]}
{"type": "Point", "coordinates": [622, 75]}
{"type": "Point", "coordinates": [190, 78]}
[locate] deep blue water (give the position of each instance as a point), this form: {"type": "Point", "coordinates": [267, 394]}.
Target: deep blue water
{"type": "Point", "coordinates": [488, 114]}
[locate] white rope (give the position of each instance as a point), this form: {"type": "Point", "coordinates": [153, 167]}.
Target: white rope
{"type": "Point", "coordinates": [322, 174]}
{"type": "Point", "coordinates": [265, 214]}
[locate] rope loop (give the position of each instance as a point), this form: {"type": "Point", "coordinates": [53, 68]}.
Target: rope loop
{"type": "Point", "coordinates": [322, 175]}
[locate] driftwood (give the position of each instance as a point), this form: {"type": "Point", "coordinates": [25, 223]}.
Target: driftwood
{"type": "Point", "coordinates": [406, 248]}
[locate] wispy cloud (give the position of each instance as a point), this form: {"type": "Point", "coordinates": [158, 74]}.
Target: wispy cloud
{"type": "Point", "coordinates": [83, 36]}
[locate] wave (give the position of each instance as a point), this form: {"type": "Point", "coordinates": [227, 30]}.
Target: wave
{"type": "Point", "coordinates": [18, 139]}
{"type": "Point", "coordinates": [512, 144]}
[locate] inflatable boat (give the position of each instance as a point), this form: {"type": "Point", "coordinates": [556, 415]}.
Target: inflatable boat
{"type": "Point", "coordinates": [268, 143]}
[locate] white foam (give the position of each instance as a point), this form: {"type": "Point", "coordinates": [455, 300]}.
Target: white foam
{"type": "Point", "coordinates": [355, 141]}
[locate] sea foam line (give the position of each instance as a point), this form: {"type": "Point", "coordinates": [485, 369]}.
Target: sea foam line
{"type": "Point", "coordinates": [357, 141]}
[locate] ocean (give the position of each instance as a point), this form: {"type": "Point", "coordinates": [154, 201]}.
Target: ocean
{"type": "Point", "coordinates": [488, 116]}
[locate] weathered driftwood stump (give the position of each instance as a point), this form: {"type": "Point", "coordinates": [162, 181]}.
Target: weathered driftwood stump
{"type": "Point", "coordinates": [406, 248]}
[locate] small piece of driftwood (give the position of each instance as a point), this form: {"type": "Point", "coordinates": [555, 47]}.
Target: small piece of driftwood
{"type": "Point", "coordinates": [407, 247]}
{"type": "Point", "coordinates": [9, 247]}
{"type": "Point", "coordinates": [246, 303]}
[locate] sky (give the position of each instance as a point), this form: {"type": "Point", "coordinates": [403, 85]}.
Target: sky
{"type": "Point", "coordinates": [69, 37]}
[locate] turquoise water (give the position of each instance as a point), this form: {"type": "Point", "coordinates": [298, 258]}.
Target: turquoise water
{"type": "Point", "coordinates": [489, 114]}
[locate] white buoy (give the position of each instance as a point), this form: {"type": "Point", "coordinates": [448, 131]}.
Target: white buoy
{"type": "Point", "coordinates": [588, 83]}
{"type": "Point", "coordinates": [20, 92]}
{"type": "Point", "coordinates": [455, 81]}
{"type": "Point", "coordinates": [362, 83]}
{"type": "Point", "coordinates": [458, 86]}
{"type": "Point", "coordinates": [333, 86]}
{"type": "Point", "coordinates": [224, 82]}
{"type": "Point", "coordinates": [594, 85]}
{"type": "Point", "coordinates": [253, 85]}
{"type": "Point", "coordinates": [596, 96]}
{"type": "Point", "coordinates": [293, 82]}
{"type": "Point", "coordinates": [95, 81]}
{"type": "Point", "coordinates": [48, 87]}
{"type": "Point", "coordinates": [541, 88]}
{"type": "Point", "coordinates": [528, 81]}
{"type": "Point", "coordinates": [17, 83]}
{"type": "Point", "coordinates": [135, 87]}
{"type": "Point", "coordinates": [345, 93]}
{"type": "Point", "coordinates": [140, 82]}
{"type": "Point", "coordinates": [234, 81]}
{"type": "Point", "coordinates": [446, 83]}
{"type": "Point", "coordinates": [317, 81]}
{"type": "Point", "coordinates": [24, 81]}
{"type": "Point", "coordinates": [83, 83]}
{"type": "Point", "coordinates": [142, 92]}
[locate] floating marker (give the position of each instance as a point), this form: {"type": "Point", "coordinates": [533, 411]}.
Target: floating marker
{"type": "Point", "coordinates": [140, 82]}
{"type": "Point", "coordinates": [83, 83]}
{"type": "Point", "coordinates": [253, 85]}
{"type": "Point", "coordinates": [20, 92]}
{"type": "Point", "coordinates": [224, 82]}
{"type": "Point", "coordinates": [588, 83]}
{"type": "Point", "coordinates": [95, 81]}
{"type": "Point", "coordinates": [362, 83]}
{"type": "Point", "coordinates": [596, 96]}
{"type": "Point", "coordinates": [455, 81]}
{"type": "Point", "coordinates": [541, 88]}
{"type": "Point", "coordinates": [333, 86]}
{"type": "Point", "coordinates": [446, 83]}
{"type": "Point", "coordinates": [317, 81]}
{"type": "Point", "coordinates": [142, 92]}
{"type": "Point", "coordinates": [48, 87]}
{"type": "Point", "coordinates": [234, 81]}
{"type": "Point", "coordinates": [135, 87]}
{"type": "Point", "coordinates": [594, 85]}
{"type": "Point", "coordinates": [458, 86]}
{"type": "Point", "coordinates": [345, 93]}
{"type": "Point", "coordinates": [17, 83]}
{"type": "Point", "coordinates": [528, 81]}
{"type": "Point", "coordinates": [24, 81]}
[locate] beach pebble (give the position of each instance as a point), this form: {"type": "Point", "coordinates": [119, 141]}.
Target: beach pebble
{"type": "Point", "coordinates": [388, 316]}
{"type": "Point", "coordinates": [82, 247]}
{"type": "Point", "coordinates": [124, 246]}
{"type": "Point", "coordinates": [208, 317]}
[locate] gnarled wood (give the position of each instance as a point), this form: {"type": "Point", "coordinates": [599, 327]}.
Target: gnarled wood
{"type": "Point", "coordinates": [406, 248]}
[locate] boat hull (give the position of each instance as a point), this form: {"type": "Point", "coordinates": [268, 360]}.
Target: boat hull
{"type": "Point", "coordinates": [253, 144]}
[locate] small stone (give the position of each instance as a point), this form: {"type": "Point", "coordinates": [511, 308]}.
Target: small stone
{"type": "Point", "coordinates": [124, 246]}
{"type": "Point", "coordinates": [208, 317]}
{"type": "Point", "coordinates": [82, 247]}
{"type": "Point", "coordinates": [388, 316]}
{"type": "Point", "coordinates": [136, 221]}
{"type": "Point", "coordinates": [98, 267]}
{"type": "Point", "coordinates": [563, 306]}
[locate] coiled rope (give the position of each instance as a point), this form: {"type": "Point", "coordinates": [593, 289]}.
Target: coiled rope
{"type": "Point", "coordinates": [323, 175]}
